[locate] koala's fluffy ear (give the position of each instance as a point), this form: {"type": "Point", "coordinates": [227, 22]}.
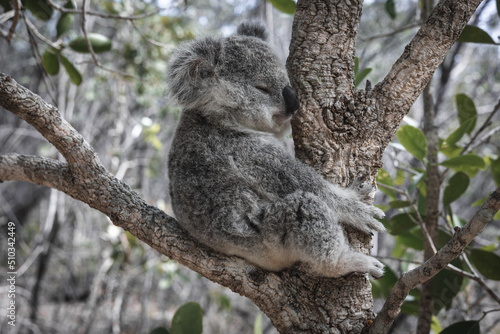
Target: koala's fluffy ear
{"type": "Point", "coordinates": [192, 69]}
{"type": "Point", "coordinates": [253, 28]}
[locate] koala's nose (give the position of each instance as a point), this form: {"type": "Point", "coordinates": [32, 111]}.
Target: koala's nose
{"type": "Point", "coordinates": [291, 100]}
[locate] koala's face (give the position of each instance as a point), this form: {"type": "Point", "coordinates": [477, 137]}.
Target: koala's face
{"type": "Point", "coordinates": [237, 80]}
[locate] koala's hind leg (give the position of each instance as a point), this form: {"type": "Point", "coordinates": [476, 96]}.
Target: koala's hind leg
{"type": "Point", "coordinates": [303, 224]}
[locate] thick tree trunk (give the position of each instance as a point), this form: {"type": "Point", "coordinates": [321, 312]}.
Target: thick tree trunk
{"type": "Point", "coordinates": [340, 131]}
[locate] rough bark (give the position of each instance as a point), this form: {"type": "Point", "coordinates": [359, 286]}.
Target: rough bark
{"type": "Point", "coordinates": [341, 131]}
{"type": "Point", "coordinates": [432, 208]}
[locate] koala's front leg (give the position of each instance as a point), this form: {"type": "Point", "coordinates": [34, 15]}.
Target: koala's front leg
{"type": "Point", "coordinates": [309, 231]}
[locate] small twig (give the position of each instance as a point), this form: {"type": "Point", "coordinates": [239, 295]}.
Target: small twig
{"type": "Point", "coordinates": [483, 127]}
{"type": "Point", "coordinates": [485, 138]}
{"type": "Point", "coordinates": [84, 30]}
{"type": "Point", "coordinates": [490, 311]}
{"type": "Point", "coordinates": [32, 32]}
{"type": "Point", "coordinates": [392, 33]}
{"type": "Point", "coordinates": [146, 38]}
{"type": "Point", "coordinates": [32, 29]}
{"type": "Point", "coordinates": [102, 15]}
{"type": "Point", "coordinates": [17, 8]}
{"type": "Point", "coordinates": [419, 220]}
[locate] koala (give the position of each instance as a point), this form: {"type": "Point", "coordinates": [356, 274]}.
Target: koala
{"type": "Point", "coordinates": [233, 186]}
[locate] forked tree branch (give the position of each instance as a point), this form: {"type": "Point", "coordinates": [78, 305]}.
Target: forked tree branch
{"type": "Point", "coordinates": [409, 280]}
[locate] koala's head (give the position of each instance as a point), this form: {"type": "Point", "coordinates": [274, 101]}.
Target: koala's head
{"type": "Point", "coordinates": [238, 81]}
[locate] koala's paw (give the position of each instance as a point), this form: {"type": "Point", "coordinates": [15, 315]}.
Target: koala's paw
{"type": "Point", "coordinates": [363, 189]}
{"type": "Point", "coordinates": [363, 218]}
{"type": "Point", "coordinates": [354, 262]}
{"type": "Point", "coordinates": [375, 268]}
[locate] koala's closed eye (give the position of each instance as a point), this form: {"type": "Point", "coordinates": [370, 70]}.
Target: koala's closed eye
{"type": "Point", "coordinates": [263, 88]}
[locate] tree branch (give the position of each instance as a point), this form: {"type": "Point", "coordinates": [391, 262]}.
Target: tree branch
{"type": "Point", "coordinates": [414, 68]}
{"type": "Point", "coordinates": [409, 280]}
{"type": "Point", "coordinates": [36, 170]}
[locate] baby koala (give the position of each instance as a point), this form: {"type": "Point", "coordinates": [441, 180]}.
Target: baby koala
{"type": "Point", "coordinates": [233, 186]}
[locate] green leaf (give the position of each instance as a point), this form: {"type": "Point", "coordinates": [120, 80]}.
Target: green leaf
{"type": "Point", "coordinates": [467, 113]}
{"type": "Point", "coordinates": [422, 202]}
{"type": "Point", "coordinates": [285, 6]}
{"type": "Point", "coordinates": [50, 62]}
{"type": "Point", "coordinates": [468, 163]}
{"type": "Point", "coordinates": [39, 8]}
{"type": "Point", "coordinates": [413, 140]}
{"type": "Point", "coordinates": [400, 177]}
{"type": "Point", "coordinates": [487, 263]}
{"type": "Point", "coordinates": [361, 75]}
{"type": "Point", "coordinates": [462, 129]}
{"type": "Point", "coordinates": [463, 327]}
{"type": "Point", "coordinates": [356, 65]}
{"type": "Point", "coordinates": [257, 325]}
{"type": "Point", "coordinates": [390, 8]}
{"type": "Point", "coordinates": [436, 325]}
{"type": "Point", "coordinates": [445, 286]}
{"type": "Point", "coordinates": [159, 330]}
{"type": "Point", "coordinates": [99, 43]}
{"type": "Point", "coordinates": [188, 319]}
{"type": "Point", "coordinates": [472, 34]}
{"type": "Point", "coordinates": [73, 73]}
{"type": "Point", "coordinates": [398, 204]}
{"type": "Point", "coordinates": [410, 307]}
{"type": "Point", "coordinates": [443, 239]}
{"type": "Point", "coordinates": [412, 239]}
{"type": "Point", "coordinates": [383, 177]}
{"type": "Point", "coordinates": [66, 20]}
{"type": "Point", "coordinates": [457, 185]}
{"type": "Point", "coordinates": [384, 285]}
{"type": "Point", "coordinates": [449, 150]}
{"type": "Point", "coordinates": [479, 201]}
{"type": "Point", "coordinates": [401, 223]}
{"type": "Point", "coordinates": [495, 169]}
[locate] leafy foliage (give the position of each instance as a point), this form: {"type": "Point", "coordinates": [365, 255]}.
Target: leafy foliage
{"type": "Point", "coordinates": [458, 167]}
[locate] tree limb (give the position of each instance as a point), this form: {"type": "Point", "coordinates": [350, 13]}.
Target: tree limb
{"type": "Point", "coordinates": [409, 280]}
{"type": "Point", "coordinates": [414, 68]}
{"type": "Point", "coordinates": [295, 301]}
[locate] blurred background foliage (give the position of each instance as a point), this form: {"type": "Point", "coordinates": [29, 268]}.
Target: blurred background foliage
{"type": "Point", "coordinates": [79, 273]}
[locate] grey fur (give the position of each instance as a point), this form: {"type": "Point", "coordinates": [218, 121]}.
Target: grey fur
{"type": "Point", "coordinates": [233, 186]}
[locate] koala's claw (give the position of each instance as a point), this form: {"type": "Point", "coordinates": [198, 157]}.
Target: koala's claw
{"type": "Point", "coordinates": [377, 269]}
{"type": "Point", "coordinates": [378, 213]}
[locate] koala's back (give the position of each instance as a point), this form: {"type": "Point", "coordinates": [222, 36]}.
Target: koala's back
{"type": "Point", "coordinates": [221, 179]}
